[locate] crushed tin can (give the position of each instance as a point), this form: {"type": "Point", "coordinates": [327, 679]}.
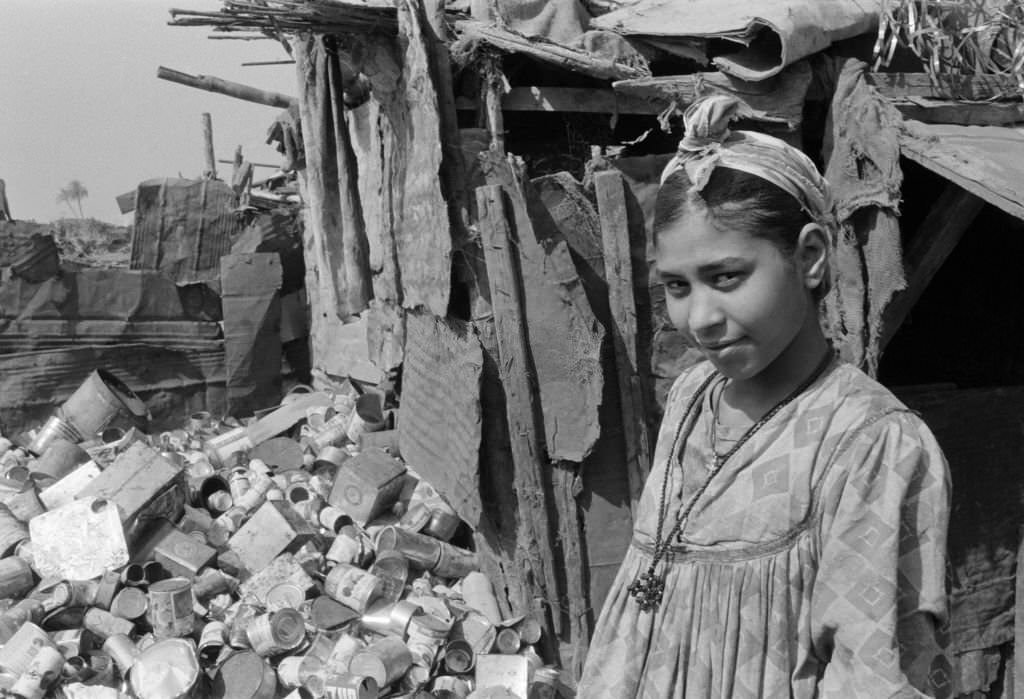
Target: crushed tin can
{"type": "Point", "coordinates": [16, 655]}
{"type": "Point", "coordinates": [245, 675]}
{"type": "Point", "coordinates": [385, 660]}
{"type": "Point", "coordinates": [43, 671]}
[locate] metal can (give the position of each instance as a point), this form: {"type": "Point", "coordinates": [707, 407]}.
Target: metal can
{"type": "Point", "coordinates": [16, 577]}
{"type": "Point", "coordinates": [122, 650]}
{"type": "Point", "coordinates": [238, 482]}
{"type": "Point", "coordinates": [170, 608]}
{"type": "Point", "coordinates": [18, 652]}
{"type": "Point", "coordinates": [350, 686]}
{"type": "Point", "coordinates": [130, 603]}
{"type": "Point", "coordinates": [448, 687]}
{"type": "Point", "coordinates": [243, 616]}
{"type": "Point", "coordinates": [385, 660]}
{"type": "Point", "coordinates": [168, 669]}
{"type": "Point", "coordinates": [459, 657]}
{"type": "Point", "coordinates": [42, 671]}
{"type": "Point", "coordinates": [294, 670]}
{"type": "Point", "coordinates": [284, 595]}
{"type": "Point", "coordinates": [454, 562]}
{"type": "Point", "coordinates": [392, 567]}
{"type": "Point", "coordinates": [352, 586]}
{"type": "Point", "coordinates": [12, 531]}
{"type": "Point", "coordinates": [245, 675]}
{"type": "Point", "coordinates": [212, 640]}
{"type": "Point", "coordinates": [508, 641]}
{"type": "Point", "coordinates": [104, 624]}
{"type": "Point", "coordinates": [276, 632]}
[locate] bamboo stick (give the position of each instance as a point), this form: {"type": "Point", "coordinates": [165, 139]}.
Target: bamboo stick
{"type": "Point", "coordinates": [226, 87]}
{"type": "Point", "coordinates": [210, 170]}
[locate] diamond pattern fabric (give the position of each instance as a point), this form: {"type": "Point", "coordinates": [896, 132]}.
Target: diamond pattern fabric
{"type": "Point", "coordinates": [813, 565]}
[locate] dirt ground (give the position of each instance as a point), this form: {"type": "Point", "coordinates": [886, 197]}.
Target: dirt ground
{"type": "Point", "coordinates": [86, 242]}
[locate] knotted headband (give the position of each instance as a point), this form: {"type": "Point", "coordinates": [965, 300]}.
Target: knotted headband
{"type": "Point", "coordinates": [709, 143]}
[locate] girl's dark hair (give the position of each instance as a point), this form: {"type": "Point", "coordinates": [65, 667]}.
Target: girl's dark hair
{"type": "Point", "coordinates": [735, 200]}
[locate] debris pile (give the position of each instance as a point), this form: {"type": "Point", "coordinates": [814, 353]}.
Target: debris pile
{"type": "Point", "coordinates": [291, 555]}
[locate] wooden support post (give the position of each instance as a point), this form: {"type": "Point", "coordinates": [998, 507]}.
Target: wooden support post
{"type": "Point", "coordinates": [534, 549]}
{"type": "Point", "coordinates": [237, 162]}
{"type": "Point", "coordinates": [611, 204]}
{"type": "Point", "coordinates": [210, 170]}
{"type": "Point", "coordinates": [492, 86]}
{"type": "Point", "coordinates": [934, 240]}
{"type": "Point", "coordinates": [1018, 625]}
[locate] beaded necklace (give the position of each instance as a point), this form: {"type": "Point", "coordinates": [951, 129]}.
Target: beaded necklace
{"type": "Point", "coordinates": [649, 587]}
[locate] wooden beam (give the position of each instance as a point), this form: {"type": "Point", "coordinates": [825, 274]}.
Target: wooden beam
{"type": "Point", "coordinates": [1018, 624]}
{"type": "Point", "coordinates": [571, 99]}
{"type": "Point", "coordinates": [936, 111]}
{"type": "Point", "coordinates": [534, 547]}
{"type": "Point", "coordinates": [492, 80]}
{"type": "Point", "coordinates": [615, 234]}
{"type": "Point", "coordinates": [934, 240]}
{"type": "Point", "coordinates": [963, 87]}
{"type": "Point", "coordinates": [226, 87]}
{"type": "Point", "coordinates": [571, 59]}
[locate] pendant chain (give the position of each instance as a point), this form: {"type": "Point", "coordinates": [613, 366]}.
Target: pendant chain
{"type": "Point", "coordinates": [649, 587]}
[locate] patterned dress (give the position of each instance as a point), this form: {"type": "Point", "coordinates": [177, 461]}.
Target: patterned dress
{"type": "Point", "coordinates": [813, 565]}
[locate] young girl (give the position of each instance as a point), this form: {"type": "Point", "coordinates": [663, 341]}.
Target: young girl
{"type": "Point", "coordinates": [790, 540]}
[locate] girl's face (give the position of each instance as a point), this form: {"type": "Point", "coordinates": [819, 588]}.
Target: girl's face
{"type": "Point", "coordinates": [737, 297]}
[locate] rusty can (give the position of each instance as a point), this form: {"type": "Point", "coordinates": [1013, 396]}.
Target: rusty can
{"type": "Point", "coordinates": [385, 660]}
{"type": "Point", "coordinates": [122, 650]}
{"type": "Point", "coordinates": [345, 549]}
{"type": "Point", "coordinates": [133, 575]}
{"type": "Point", "coordinates": [168, 669]}
{"type": "Point", "coordinates": [42, 671]}
{"type": "Point", "coordinates": [284, 595]}
{"type": "Point", "coordinates": [384, 618]}
{"type": "Point", "coordinates": [170, 608]}
{"type": "Point", "coordinates": [276, 632]}
{"type": "Point", "coordinates": [547, 684]}
{"type": "Point", "coordinates": [340, 657]}
{"type": "Point", "coordinates": [104, 624]}
{"type": "Point", "coordinates": [421, 550]}
{"type": "Point", "coordinates": [333, 518]}
{"type": "Point", "coordinates": [70, 593]}
{"type": "Point", "coordinates": [350, 686]}
{"type": "Point", "coordinates": [529, 630]}
{"type": "Point", "coordinates": [245, 675]}
{"type": "Point", "coordinates": [442, 524]}
{"type": "Point", "coordinates": [353, 587]}
{"type": "Point", "coordinates": [508, 641]}
{"type": "Point", "coordinates": [16, 577]}
{"type": "Point", "coordinates": [106, 589]}
{"type": "Point", "coordinates": [425, 636]}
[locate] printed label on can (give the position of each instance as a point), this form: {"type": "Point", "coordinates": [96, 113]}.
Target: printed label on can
{"type": "Point", "coordinates": [346, 686]}
{"type": "Point", "coordinates": [353, 587]}
{"type": "Point", "coordinates": [170, 608]}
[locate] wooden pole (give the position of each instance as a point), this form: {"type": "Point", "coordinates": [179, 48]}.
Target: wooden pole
{"type": "Point", "coordinates": [534, 548]}
{"type": "Point", "coordinates": [611, 203]}
{"type": "Point", "coordinates": [226, 87]}
{"type": "Point", "coordinates": [210, 171]}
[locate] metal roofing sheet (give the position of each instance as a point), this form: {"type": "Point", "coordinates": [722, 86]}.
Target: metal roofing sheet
{"type": "Point", "coordinates": [987, 161]}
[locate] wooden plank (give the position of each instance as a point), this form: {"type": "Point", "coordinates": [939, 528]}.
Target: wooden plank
{"type": "Point", "coordinates": [933, 242]}
{"type": "Point", "coordinates": [933, 111]}
{"type": "Point", "coordinates": [570, 59]}
{"type": "Point", "coordinates": [611, 202]}
{"type": "Point", "coordinates": [963, 87]}
{"type": "Point", "coordinates": [1018, 626]}
{"type": "Point", "coordinates": [779, 99]}
{"type": "Point", "coordinates": [534, 547]}
{"type": "Point", "coordinates": [564, 486]}
{"type": "Point", "coordinates": [492, 80]}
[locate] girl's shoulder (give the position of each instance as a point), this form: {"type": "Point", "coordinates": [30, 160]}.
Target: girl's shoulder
{"type": "Point", "coordinates": [863, 405]}
{"type": "Point", "coordinates": [691, 379]}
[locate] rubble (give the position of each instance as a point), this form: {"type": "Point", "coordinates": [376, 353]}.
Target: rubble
{"type": "Point", "coordinates": [287, 556]}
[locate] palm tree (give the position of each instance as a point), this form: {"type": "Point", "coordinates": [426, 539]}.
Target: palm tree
{"type": "Point", "coordinates": [74, 193]}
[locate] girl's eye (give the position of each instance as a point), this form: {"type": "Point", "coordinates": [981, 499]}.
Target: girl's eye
{"type": "Point", "coordinates": [727, 280]}
{"type": "Point", "coordinates": [677, 288]}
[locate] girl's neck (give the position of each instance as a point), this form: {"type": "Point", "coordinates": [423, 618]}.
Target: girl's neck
{"type": "Point", "coordinates": [749, 399]}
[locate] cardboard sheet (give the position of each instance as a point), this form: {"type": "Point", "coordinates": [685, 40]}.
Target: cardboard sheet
{"type": "Point", "coordinates": [252, 329]}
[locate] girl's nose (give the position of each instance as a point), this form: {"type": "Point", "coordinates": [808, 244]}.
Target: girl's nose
{"type": "Point", "coordinates": [705, 315]}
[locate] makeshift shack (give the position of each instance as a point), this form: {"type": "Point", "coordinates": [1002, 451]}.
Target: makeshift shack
{"type": "Point", "coordinates": [478, 180]}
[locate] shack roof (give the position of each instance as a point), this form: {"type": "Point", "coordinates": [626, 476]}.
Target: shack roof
{"type": "Point", "coordinates": [987, 161]}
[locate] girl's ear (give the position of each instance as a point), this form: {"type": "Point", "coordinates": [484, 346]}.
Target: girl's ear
{"type": "Point", "coordinates": [812, 255]}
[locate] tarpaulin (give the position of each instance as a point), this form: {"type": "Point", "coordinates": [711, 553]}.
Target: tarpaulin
{"type": "Point", "coordinates": [765, 36]}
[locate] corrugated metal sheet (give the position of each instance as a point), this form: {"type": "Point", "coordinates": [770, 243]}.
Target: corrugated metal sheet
{"type": "Point", "coordinates": [183, 226]}
{"type": "Point", "coordinates": [987, 161]}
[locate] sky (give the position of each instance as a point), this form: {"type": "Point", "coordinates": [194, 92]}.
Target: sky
{"type": "Point", "coordinates": [79, 99]}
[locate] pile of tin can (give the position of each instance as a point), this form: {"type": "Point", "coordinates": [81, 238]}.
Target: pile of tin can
{"type": "Point", "coordinates": [293, 555]}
